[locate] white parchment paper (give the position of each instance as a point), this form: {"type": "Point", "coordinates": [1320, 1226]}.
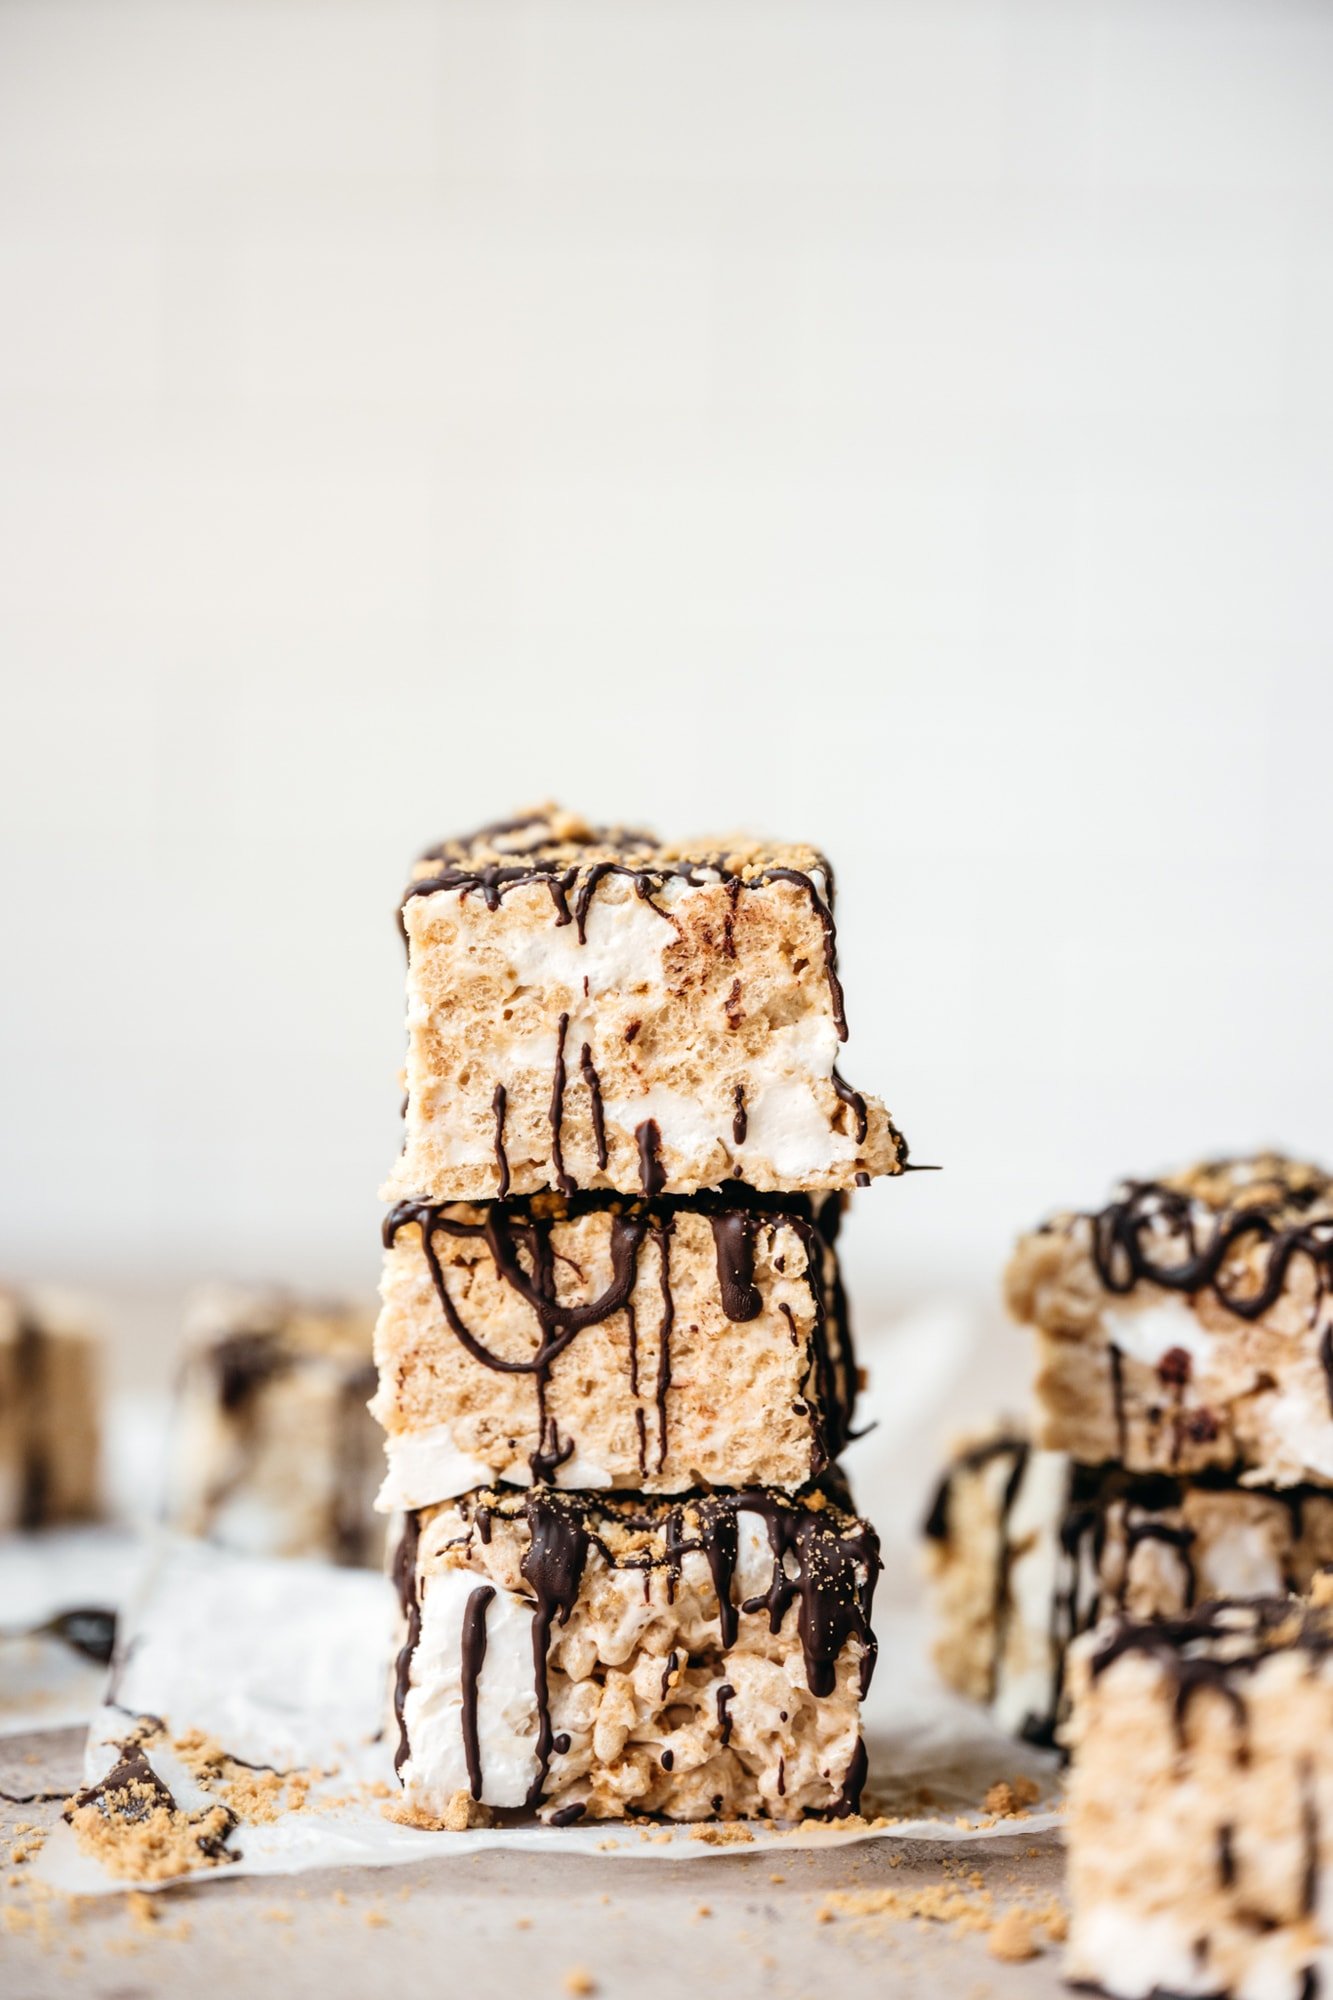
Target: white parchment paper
{"type": "Point", "coordinates": [284, 1664]}
{"type": "Point", "coordinates": [45, 1683]}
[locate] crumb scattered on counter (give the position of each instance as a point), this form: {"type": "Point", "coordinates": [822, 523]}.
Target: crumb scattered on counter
{"type": "Point", "coordinates": [1011, 1796]}
{"type": "Point", "coordinates": [1013, 1937]}
{"type": "Point", "coordinates": [579, 1982]}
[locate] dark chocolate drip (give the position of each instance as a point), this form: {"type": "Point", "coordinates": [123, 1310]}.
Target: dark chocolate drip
{"type": "Point", "coordinates": [831, 1425]}
{"type": "Point", "coordinates": [740, 1117]}
{"type": "Point", "coordinates": [669, 1671]}
{"type": "Point", "coordinates": [593, 1081]}
{"type": "Point", "coordinates": [552, 1566]}
{"type": "Point", "coordinates": [855, 1103]}
{"type": "Point", "coordinates": [1003, 1605]}
{"type": "Point", "coordinates": [663, 1234]}
{"type": "Point", "coordinates": [1116, 1363]}
{"type": "Point", "coordinates": [831, 1606]}
{"type": "Point", "coordinates": [243, 1363]}
{"type": "Point", "coordinates": [652, 1177]}
{"type": "Point", "coordinates": [668, 1760]}
{"type": "Point", "coordinates": [567, 1815]}
{"type": "Point", "coordinates": [405, 1581]}
{"type": "Point", "coordinates": [1226, 1857]}
{"type": "Point", "coordinates": [498, 1103]}
{"type": "Point", "coordinates": [721, 1546]}
{"type": "Point", "coordinates": [853, 1784]}
{"type": "Point", "coordinates": [473, 1654]}
{"type": "Point", "coordinates": [726, 1694]}
{"type": "Point", "coordinates": [825, 916]}
{"type": "Point", "coordinates": [1123, 1250]}
{"type": "Point", "coordinates": [560, 886]}
{"type": "Point", "coordinates": [562, 1179]}
{"type": "Point", "coordinates": [733, 1240]}
{"type": "Point", "coordinates": [935, 1528]}
{"type": "Point", "coordinates": [1180, 1538]}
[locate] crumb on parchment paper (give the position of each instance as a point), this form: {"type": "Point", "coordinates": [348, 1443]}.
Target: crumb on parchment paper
{"type": "Point", "coordinates": [579, 1982]}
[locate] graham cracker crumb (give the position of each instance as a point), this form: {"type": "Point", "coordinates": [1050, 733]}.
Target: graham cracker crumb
{"type": "Point", "coordinates": [1010, 1796]}
{"type": "Point", "coordinates": [1013, 1938]}
{"type": "Point", "coordinates": [136, 1829]}
{"type": "Point", "coordinates": [461, 1812]}
{"type": "Point", "coordinates": [938, 1903]}
{"type": "Point", "coordinates": [726, 1833]}
{"type": "Point", "coordinates": [375, 1920]}
{"type": "Point", "coordinates": [578, 1982]}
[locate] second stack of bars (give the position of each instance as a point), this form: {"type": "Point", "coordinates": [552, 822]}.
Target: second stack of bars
{"type": "Point", "coordinates": [615, 1367]}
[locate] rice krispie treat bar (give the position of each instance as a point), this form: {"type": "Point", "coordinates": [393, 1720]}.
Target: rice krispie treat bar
{"type": "Point", "coordinates": [273, 1449]}
{"type": "Point", "coordinates": [1026, 1550]}
{"type": "Point", "coordinates": [49, 1422]}
{"type": "Point", "coordinates": [1200, 1825]}
{"type": "Point", "coordinates": [591, 1342]}
{"type": "Point", "coordinates": [1189, 1324]}
{"type": "Point", "coordinates": [698, 1659]}
{"type": "Point", "coordinates": [589, 1008]}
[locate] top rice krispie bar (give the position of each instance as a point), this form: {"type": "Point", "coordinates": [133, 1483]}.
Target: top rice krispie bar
{"type": "Point", "coordinates": [591, 1008]}
{"type": "Point", "coordinates": [1189, 1324]}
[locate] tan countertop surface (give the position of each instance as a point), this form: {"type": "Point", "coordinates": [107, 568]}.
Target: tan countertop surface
{"type": "Point", "coordinates": [484, 1925]}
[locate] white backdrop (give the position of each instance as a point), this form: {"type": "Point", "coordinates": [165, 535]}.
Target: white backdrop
{"type": "Point", "coordinates": [903, 426]}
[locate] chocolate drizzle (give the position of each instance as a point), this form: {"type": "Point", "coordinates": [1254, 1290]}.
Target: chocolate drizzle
{"type": "Point", "coordinates": [498, 1103]}
{"type": "Point", "coordinates": [518, 1237]}
{"type": "Point", "coordinates": [552, 1567]}
{"type": "Point", "coordinates": [733, 1238]}
{"type": "Point", "coordinates": [593, 1081]}
{"type": "Point", "coordinates": [663, 1234]}
{"type": "Point", "coordinates": [726, 1694]}
{"type": "Point", "coordinates": [740, 1117]}
{"type": "Point", "coordinates": [409, 1600]}
{"type": "Point", "coordinates": [652, 1177]}
{"type": "Point", "coordinates": [856, 1104]}
{"type": "Point", "coordinates": [1150, 1218]}
{"type": "Point", "coordinates": [562, 1179]}
{"type": "Point", "coordinates": [473, 1653]}
{"type": "Point", "coordinates": [1216, 1647]}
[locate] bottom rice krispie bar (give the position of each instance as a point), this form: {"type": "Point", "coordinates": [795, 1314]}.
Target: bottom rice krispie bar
{"type": "Point", "coordinates": [1026, 1549]}
{"type": "Point", "coordinates": [608, 1656]}
{"type": "Point", "coordinates": [1200, 1828]}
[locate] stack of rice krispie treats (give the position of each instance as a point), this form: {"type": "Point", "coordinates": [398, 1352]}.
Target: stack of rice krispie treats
{"type": "Point", "coordinates": [1131, 1576]}
{"type": "Point", "coordinates": [615, 1365]}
